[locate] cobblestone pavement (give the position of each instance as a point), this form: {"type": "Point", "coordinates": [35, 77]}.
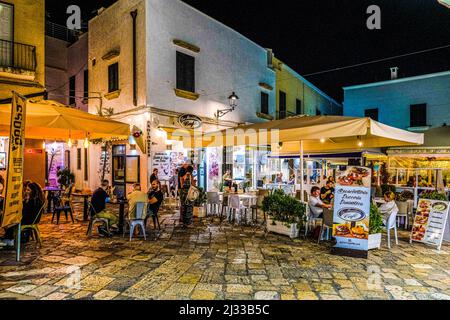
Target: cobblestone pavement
{"type": "Point", "coordinates": [215, 261]}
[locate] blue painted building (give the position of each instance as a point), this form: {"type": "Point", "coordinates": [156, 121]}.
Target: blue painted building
{"type": "Point", "coordinates": [415, 103]}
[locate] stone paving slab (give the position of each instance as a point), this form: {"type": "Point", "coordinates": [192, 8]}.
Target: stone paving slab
{"type": "Point", "coordinates": [214, 260]}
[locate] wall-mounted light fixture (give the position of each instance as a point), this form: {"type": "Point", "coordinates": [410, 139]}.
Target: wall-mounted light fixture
{"type": "Point", "coordinates": [232, 101]}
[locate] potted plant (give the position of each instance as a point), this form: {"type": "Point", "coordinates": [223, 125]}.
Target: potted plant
{"type": "Point", "coordinates": [434, 195]}
{"type": "Point", "coordinates": [375, 227]}
{"type": "Point", "coordinates": [65, 178]}
{"type": "Point", "coordinates": [284, 213]}
{"type": "Point", "coordinates": [199, 204]}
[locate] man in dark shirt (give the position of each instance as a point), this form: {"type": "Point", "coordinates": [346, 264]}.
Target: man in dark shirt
{"type": "Point", "coordinates": [154, 175]}
{"type": "Point", "coordinates": [327, 192]}
{"type": "Point", "coordinates": [155, 199]}
{"type": "Point", "coordinates": [98, 201]}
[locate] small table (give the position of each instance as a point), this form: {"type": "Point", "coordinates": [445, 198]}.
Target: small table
{"type": "Point", "coordinates": [121, 204]}
{"type": "Point", "coordinates": [51, 197]}
{"type": "Point", "coordinates": [85, 197]}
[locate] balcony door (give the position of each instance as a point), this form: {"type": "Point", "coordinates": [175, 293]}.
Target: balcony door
{"type": "Point", "coordinates": [6, 33]}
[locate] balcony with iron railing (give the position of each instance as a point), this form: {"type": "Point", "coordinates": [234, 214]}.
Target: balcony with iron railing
{"type": "Point", "coordinates": [17, 56]}
{"type": "Point", "coordinates": [285, 114]}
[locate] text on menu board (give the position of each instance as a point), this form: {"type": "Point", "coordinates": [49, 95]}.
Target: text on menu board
{"type": "Point", "coordinates": [430, 222]}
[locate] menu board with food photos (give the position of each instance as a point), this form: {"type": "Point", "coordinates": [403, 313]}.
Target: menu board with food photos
{"type": "Point", "coordinates": [352, 208]}
{"type": "Point", "coordinates": [430, 222]}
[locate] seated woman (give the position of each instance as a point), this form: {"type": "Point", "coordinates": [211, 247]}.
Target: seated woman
{"type": "Point", "coordinates": [388, 207]}
{"type": "Point", "coordinates": [32, 204]}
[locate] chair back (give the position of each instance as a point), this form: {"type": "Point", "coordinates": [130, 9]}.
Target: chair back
{"type": "Point", "coordinates": [402, 207]}
{"type": "Point", "coordinates": [225, 200]}
{"type": "Point", "coordinates": [392, 219]}
{"type": "Point", "coordinates": [39, 215]}
{"type": "Point", "coordinates": [213, 197]}
{"type": "Point", "coordinates": [263, 192]}
{"type": "Point", "coordinates": [68, 191]}
{"type": "Point", "coordinates": [141, 211]}
{"type": "Point", "coordinates": [328, 217]}
{"type": "Point", "coordinates": [91, 209]}
{"type": "Point", "coordinates": [234, 202]}
{"type": "Point", "coordinates": [259, 200]}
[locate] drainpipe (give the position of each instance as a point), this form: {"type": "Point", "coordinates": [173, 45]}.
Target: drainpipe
{"type": "Point", "coordinates": [134, 15]}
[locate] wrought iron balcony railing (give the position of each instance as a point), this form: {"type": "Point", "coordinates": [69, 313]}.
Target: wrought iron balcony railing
{"type": "Point", "coordinates": [17, 55]}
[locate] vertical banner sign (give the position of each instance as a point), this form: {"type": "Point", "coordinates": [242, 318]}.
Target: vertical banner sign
{"type": "Point", "coordinates": [14, 185]}
{"type": "Point", "coordinates": [430, 222]}
{"type": "Point", "coordinates": [352, 210]}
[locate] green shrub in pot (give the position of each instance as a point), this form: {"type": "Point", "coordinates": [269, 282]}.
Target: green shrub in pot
{"type": "Point", "coordinates": [376, 220]}
{"type": "Point", "coordinates": [283, 208]}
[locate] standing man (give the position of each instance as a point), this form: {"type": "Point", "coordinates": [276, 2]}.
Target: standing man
{"type": "Point", "coordinates": [154, 175]}
{"type": "Point", "coordinates": [155, 199]}
{"type": "Point", "coordinates": [327, 192]}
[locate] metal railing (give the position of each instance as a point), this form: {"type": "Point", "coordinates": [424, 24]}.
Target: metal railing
{"type": "Point", "coordinates": [285, 114]}
{"type": "Point", "coordinates": [17, 55]}
{"type": "Point", "coordinates": [61, 32]}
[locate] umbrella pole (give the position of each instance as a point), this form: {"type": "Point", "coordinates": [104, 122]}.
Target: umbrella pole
{"type": "Point", "coordinates": [302, 183]}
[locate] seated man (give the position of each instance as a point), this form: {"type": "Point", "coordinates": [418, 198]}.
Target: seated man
{"type": "Point", "coordinates": [315, 204]}
{"type": "Point", "coordinates": [98, 201]}
{"type": "Point", "coordinates": [155, 198]}
{"type": "Point", "coordinates": [135, 197]}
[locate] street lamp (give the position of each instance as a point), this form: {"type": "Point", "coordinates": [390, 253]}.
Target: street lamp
{"type": "Point", "coordinates": [232, 101]}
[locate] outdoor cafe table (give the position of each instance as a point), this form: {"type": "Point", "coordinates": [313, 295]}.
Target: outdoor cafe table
{"type": "Point", "coordinates": [121, 204]}
{"type": "Point", "coordinates": [85, 197]}
{"type": "Point", "coordinates": [51, 197]}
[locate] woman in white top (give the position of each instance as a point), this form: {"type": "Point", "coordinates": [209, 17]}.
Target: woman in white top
{"type": "Point", "coordinates": [389, 206]}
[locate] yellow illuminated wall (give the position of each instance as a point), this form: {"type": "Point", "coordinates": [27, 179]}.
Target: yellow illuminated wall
{"type": "Point", "coordinates": [296, 87]}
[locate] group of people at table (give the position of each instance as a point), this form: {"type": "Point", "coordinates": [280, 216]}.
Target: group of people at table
{"type": "Point", "coordinates": [322, 198]}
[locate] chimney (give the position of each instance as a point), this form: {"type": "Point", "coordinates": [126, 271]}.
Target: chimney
{"type": "Point", "coordinates": [394, 73]}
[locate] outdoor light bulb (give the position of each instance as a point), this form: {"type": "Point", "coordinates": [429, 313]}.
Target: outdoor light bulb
{"type": "Point", "coordinates": [360, 143]}
{"type": "Point", "coordinates": [86, 143]}
{"type": "Point", "coordinates": [69, 143]}
{"type": "Point", "coordinates": [322, 140]}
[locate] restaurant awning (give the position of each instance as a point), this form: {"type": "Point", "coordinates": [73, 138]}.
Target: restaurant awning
{"type": "Point", "coordinates": [436, 144]}
{"type": "Point", "coordinates": [318, 133]}
{"type": "Point", "coordinates": [48, 119]}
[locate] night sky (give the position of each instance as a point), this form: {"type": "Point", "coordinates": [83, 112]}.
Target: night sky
{"type": "Point", "coordinates": [313, 35]}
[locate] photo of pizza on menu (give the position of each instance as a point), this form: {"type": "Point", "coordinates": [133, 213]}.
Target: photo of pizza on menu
{"type": "Point", "coordinates": [354, 176]}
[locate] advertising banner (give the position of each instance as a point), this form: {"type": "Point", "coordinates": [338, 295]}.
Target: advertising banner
{"type": "Point", "coordinates": [14, 183]}
{"type": "Point", "coordinates": [430, 222]}
{"type": "Point", "coordinates": [352, 209]}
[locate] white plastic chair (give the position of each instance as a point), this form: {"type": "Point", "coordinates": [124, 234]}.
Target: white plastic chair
{"type": "Point", "coordinates": [309, 218]}
{"type": "Point", "coordinates": [212, 201]}
{"type": "Point", "coordinates": [327, 223]}
{"type": "Point", "coordinates": [403, 212]}
{"type": "Point", "coordinates": [234, 203]}
{"type": "Point", "coordinates": [391, 223]}
{"type": "Point", "coordinates": [141, 212]}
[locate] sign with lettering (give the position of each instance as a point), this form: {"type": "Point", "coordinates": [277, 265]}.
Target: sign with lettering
{"type": "Point", "coordinates": [190, 121]}
{"type": "Point", "coordinates": [352, 208]}
{"type": "Point", "coordinates": [430, 222]}
{"type": "Point", "coordinates": [12, 213]}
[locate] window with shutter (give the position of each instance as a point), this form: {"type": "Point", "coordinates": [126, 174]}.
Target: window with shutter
{"type": "Point", "coordinates": [72, 90]}
{"type": "Point", "coordinates": [113, 77]}
{"type": "Point", "coordinates": [418, 115]}
{"type": "Point", "coordinates": [264, 103]}
{"type": "Point", "coordinates": [185, 72]}
{"type": "Point", "coordinates": [298, 106]}
{"type": "Point", "coordinates": [371, 113]}
{"type": "Point", "coordinates": [282, 111]}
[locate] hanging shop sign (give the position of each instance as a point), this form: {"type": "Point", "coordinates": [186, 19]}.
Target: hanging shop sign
{"type": "Point", "coordinates": [190, 121]}
{"type": "Point", "coordinates": [352, 211]}
{"type": "Point", "coordinates": [12, 213]}
{"type": "Point", "coordinates": [430, 223]}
